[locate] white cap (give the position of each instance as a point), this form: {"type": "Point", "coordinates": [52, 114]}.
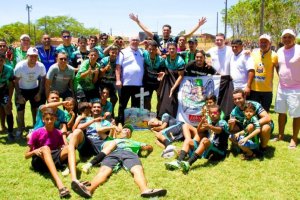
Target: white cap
{"type": "Point", "coordinates": [24, 36]}
{"type": "Point", "coordinates": [288, 31]}
{"type": "Point", "coordinates": [265, 36]}
{"type": "Point", "coordinates": [32, 51]}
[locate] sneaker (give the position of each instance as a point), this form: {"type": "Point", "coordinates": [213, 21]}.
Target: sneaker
{"type": "Point", "coordinates": [10, 137]}
{"type": "Point", "coordinates": [66, 172]}
{"type": "Point", "coordinates": [169, 148]}
{"type": "Point", "coordinates": [86, 168]}
{"type": "Point", "coordinates": [168, 154]}
{"type": "Point", "coordinates": [19, 134]}
{"type": "Point", "coordinates": [185, 166]}
{"type": "Point", "coordinates": [172, 165]}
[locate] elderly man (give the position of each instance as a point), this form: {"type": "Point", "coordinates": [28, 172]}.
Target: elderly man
{"type": "Point", "coordinates": [20, 52]}
{"type": "Point", "coordinates": [265, 60]}
{"type": "Point", "coordinates": [46, 52]}
{"type": "Point", "coordinates": [129, 75]}
{"type": "Point", "coordinates": [29, 85]}
{"type": "Point", "coordinates": [60, 77]}
{"type": "Point", "coordinates": [288, 93]}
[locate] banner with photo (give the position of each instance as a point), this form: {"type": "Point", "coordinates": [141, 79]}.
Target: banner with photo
{"type": "Point", "coordinates": [191, 95]}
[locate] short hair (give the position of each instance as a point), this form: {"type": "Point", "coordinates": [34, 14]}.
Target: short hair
{"type": "Point", "coordinates": [215, 106]}
{"type": "Point", "coordinates": [63, 53]}
{"type": "Point", "coordinates": [82, 106]}
{"type": "Point", "coordinates": [104, 88]}
{"type": "Point", "coordinates": [70, 99]}
{"type": "Point", "coordinates": [202, 52]}
{"type": "Point", "coordinates": [103, 34]}
{"type": "Point", "coordinates": [93, 50]}
{"type": "Point", "coordinates": [238, 90]}
{"type": "Point", "coordinates": [94, 102]}
{"type": "Point", "coordinates": [54, 92]}
{"type": "Point", "coordinates": [168, 26]}
{"type": "Point", "coordinates": [65, 31]}
{"type": "Point", "coordinates": [237, 42]}
{"type": "Point", "coordinates": [48, 111]}
{"type": "Point", "coordinates": [249, 105]}
{"type": "Point", "coordinates": [221, 34]}
{"type": "Point", "coordinates": [114, 47]}
{"type": "Point", "coordinates": [171, 44]}
{"type": "Point", "coordinates": [82, 38]}
{"type": "Point", "coordinates": [211, 97]}
{"type": "Point", "coordinates": [119, 38]}
{"type": "Point", "coordinates": [153, 43]}
{"type": "Point", "coordinates": [93, 37]}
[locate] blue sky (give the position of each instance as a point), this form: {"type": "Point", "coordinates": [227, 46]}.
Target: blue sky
{"type": "Point", "coordinates": [106, 15]}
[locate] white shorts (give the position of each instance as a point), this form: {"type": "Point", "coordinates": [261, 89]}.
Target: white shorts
{"type": "Point", "coordinates": [288, 100]}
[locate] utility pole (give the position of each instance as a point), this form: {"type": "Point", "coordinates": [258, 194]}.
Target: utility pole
{"type": "Point", "coordinates": [262, 13]}
{"type": "Point", "coordinates": [225, 32]}
{"type": "Point", "coordinates": [28, 8]}
{"type": "Point", "coordinates": [217, 30]}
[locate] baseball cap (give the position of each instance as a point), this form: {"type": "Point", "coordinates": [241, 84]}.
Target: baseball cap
{"type": "Point", "coordinates": [194, 40]}
{"type": "Point", "coordinates": [265, 36]}
{"type": "Point", "coordinates": [129, 126]}
{"type": "Point", "coordinates": [24, 36]}
{"type": "Point", "coordinates": [288, 31]}
{"type": "Point", "coordinates": [32, 51]}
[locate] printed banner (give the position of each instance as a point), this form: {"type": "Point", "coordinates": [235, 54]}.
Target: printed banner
{"type": "Point", "coordinates": [191, 95]}
{"type": "Point", "coordinates": [138, 117]}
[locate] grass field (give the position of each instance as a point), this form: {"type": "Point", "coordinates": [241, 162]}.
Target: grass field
{"type": "Point", "coordinates": [275, 176]}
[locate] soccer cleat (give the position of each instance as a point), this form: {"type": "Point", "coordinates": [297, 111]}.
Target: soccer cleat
{"type": "Point", "coordinates": [185, 166]}
{"type": "Point", "coordinates": [19, 134]}
{"type": "Point", "coordinates": [86, 168]}
{"type": "Point", "coordinates": [10, 137]}
{"type": "Point", "coordinates": [174, 165]}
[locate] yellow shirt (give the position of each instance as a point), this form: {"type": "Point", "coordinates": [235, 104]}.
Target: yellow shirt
{"type": "Point", "coordinates": [264, 70]}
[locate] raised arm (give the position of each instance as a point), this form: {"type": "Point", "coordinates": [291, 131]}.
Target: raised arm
{"type": "Point", "coordinates": [141, 25]}
{"type": "Point", "coordinates": [199, 24]}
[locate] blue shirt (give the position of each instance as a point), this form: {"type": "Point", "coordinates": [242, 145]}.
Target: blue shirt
{"type": "Point", "coordinates": [47, 57]}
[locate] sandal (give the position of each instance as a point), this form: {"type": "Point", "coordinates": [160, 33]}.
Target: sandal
{"type": "Point", "coordinates": [154, 193]}
{"type": "Point", "coordinates": [248, 157]}
{"type": "Point", "coordinates": [64, 192]}
{"type": "Point", "coordinates": [80, 189]}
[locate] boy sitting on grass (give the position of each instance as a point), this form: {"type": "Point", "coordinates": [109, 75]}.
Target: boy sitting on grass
{"type": "Point", "coordinates": [47, 150]}
{"type": "Point", "coordinates": [248, 141]}
{"type": "Point", "coordinates": [211, 147]}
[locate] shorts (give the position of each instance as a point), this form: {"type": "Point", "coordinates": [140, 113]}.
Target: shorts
{"type": "Point", "coordinates": [91, 145]}
{"type": "Point", "coordinates": [288, 100]}
{"type": "Point", "coordinates": [264, 98]}
{"type": "Point", "coordinates": [39, 165]}
{"type": "Point", "coordinates": [4, 96]}
{"type": "Point", "coordinates": [121, 158]}
{"type": "Point", "coordinates": [192, 151]}
{"type": "Point", "coordinates": [249, 144]}
{"type": "Point", "coordinates": [213, 153]}
{"type": "Point", "coordinates": [29, 94]}
{"type": "Point", "coordinates": [174, 133]}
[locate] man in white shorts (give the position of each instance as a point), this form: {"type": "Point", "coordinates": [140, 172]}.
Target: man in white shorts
{"type": "Point", "coordinates": [288, 93]}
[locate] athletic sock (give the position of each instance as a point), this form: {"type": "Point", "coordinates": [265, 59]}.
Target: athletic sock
{"type": "Point", "coordinates": [193, 158]}
{"type": "Point", "coordinates": [182, 155]}
{"type": "Point", "coordinates": [10, 123]}
{"type": "Point", "coordinates": [166, 142]}
{"type": "Point", "coordinates": [98, 158]}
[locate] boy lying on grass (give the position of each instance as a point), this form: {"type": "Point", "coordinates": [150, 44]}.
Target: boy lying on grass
{"type": "Point", "coordinates": [47, 150]}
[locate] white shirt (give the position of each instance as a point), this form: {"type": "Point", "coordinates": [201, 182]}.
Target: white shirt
{"type": "Point", "coordinates": [29, 75]}
{"type": "Point", "coordinates": [220, 58]}
{"type": "Point", "coordinates": [239, 67]}
{"type": "Point", "coordinates": [132, 67]}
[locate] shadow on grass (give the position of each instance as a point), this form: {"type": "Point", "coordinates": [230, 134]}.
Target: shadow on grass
{"type": "Point", "coordinates": [208, 163]}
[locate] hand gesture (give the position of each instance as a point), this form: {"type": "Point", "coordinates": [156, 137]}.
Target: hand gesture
{"type": "Point", "coordinates": [202, 21]}
{"type": "Point", "coordinates": [134, 17]}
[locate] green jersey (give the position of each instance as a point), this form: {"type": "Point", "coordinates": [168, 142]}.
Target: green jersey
{"type": "Point", "coordinates": [66, 49]}
{"type": "Point", "coordinates": [19, 55]}
{"type": "Point", "coordinates": [129, 145]}
{"type": "Point", "coordinates": [6, 76]}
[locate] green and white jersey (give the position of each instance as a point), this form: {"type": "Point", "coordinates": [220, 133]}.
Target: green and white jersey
{"type": "Point", "coordinates": [85, 83]}
{"type": "Point", "coordinates": [129, 145]}
{"type": "Point", "coordinates": [66, 49]}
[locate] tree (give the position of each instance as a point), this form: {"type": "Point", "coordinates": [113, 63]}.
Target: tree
{"type": "Point", "coordinates": [12, 32]}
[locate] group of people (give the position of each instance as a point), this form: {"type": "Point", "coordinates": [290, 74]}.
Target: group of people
{"type": "Point", "coordinates": [87, 75]}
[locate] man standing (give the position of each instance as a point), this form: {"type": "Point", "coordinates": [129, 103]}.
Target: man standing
{"type": "Point", "coordinates": [60, 77]}
{"type": "Point", "coordinates": [46, 52]}
{"type": "Point", "coordinates": [241, 67]}
{"type": "Point", "coordinates": [162, 41]}
{"type": "Point", "coordinates": [129, 75]}
{"type": "Point", "coordinates": [81, 54]}
{"type": "Point", "coordinates": [288, 93]}
{"type": "Point", "coordinates": [220, 60]}
{"type": "Point", "coordinates": [29, 85]}
{"type": "Point", "coordinates": [265, 60]}
{"type": "Point", "coordinates": [20, 52]}
{"type": "Point", "coordinates": [66, 46]}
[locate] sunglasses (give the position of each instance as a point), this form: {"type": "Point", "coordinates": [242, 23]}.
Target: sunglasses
{"type": "Point", "coordinates": [215, 113]}
{"type": "Point", "coordinates": [66, 36]}
{"type": "Point", "coordinates": [63, 59]}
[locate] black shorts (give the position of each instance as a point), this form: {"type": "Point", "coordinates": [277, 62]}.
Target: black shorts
{"type": "Point", "coordinates": [29, 95]}
{"type": "Point", "coordinates": [4, 96]}
{"type": "Point", "coordinates": [39, 165]}
{"type": "Point", "coordinates": [264, 98]}
{"type": "Point", "coordinates": [126, 159]}
{"type": "Point", "coordinates": [91, 146]}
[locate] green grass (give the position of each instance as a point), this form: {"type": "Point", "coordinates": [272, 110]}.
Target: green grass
{"type": "Point", "coordinates": [276, 176]}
